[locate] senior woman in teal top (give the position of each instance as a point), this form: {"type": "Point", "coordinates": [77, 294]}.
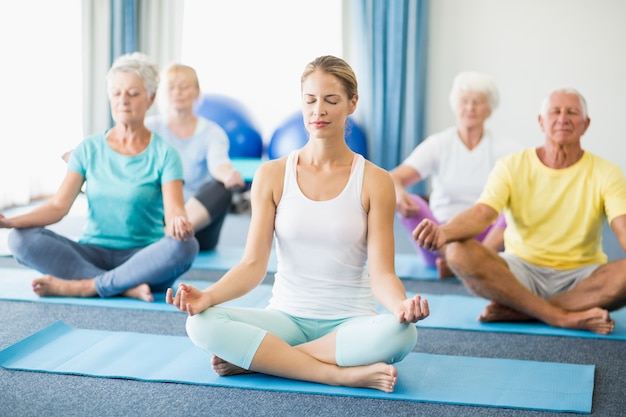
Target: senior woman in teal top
{"type": "Point", "coordinates": [137, 239]}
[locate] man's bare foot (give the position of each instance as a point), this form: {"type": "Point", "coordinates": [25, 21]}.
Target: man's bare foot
{"type": "Point", "coordinates": [443, 270]}
{"type": "Point", "coordinates": [141, 292]}
{"type": "Point", "coordinates": [380, 376]}
{"type": "Point", "coordinates": [223, 368]}
{"type": "Point", "coordinates": [595, 320]}
{"type": "Point", "coordinates": [495, 312]}
{"type": "Point", "coordinates": [49, 286]}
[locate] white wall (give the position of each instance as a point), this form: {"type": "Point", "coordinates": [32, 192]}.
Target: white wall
{"type": "Point", "coordinates": [532, 47]}
{"type": "Point", "coordinates": [41, 104]}
{"type": "Point", "coordinates": [255, 51]}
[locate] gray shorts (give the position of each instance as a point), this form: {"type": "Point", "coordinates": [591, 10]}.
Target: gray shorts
{"type": "Point", "coordinates": [546, 282]}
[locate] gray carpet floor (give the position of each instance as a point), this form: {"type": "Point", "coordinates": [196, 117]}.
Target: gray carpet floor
{"type": "Point", "coordinates": [38, 394]}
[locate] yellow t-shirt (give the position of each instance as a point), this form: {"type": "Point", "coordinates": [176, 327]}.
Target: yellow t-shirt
{"type": "Point", "coordinates": [555, 216]}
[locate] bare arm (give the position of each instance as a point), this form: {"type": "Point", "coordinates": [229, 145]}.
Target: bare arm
{"type": "Point", "coordinates": [619, 228]}
{"type": "Point", "coordinates": [386, 286]}
{"type": "Point", "coordinates": [251, 270]}
{"type": "Point", "coordinates": [52, 210]}
{"type": "Point", "coordinates": [176, 223]}
{"type": "Point", "coordinates": [465, 225]}
{"type": "Point", "coordinates": [495, 239]}
{"type": "Point", "coordinates": [404, 176]}
{"type": "Point", "coordinates": [227, 175]}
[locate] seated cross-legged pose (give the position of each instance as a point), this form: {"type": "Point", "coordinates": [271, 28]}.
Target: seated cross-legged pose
{"type": "Point", "coordinates": [458, 161]}
{"type": "Point", "coordinates": [137, 239]}
{"type": "Point", "coordinates": [556, 199]}
{"type": "Point", "coordinates": [332, 213]}
{"type": "Point", "coordinates": [203, 146]}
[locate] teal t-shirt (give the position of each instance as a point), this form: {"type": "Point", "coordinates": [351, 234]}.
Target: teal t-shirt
{"type": "Point", "coordinates": [124, 197]}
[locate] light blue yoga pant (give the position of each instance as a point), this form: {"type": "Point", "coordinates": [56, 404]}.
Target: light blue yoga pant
{"type": "Point", "coordinates": [114, 270]}
{"type": "Point", "coordinates": [235, 334]}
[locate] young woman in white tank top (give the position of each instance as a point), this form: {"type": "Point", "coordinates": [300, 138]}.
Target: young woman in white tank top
{"type": "Point", "coordinates": [332, 215]}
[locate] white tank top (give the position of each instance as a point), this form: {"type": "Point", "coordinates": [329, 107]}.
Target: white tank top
{"type": "Point", "coordinates": [321, 247]}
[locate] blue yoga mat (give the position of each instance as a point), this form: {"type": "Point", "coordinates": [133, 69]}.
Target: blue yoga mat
{"type": "Point", "coordinates": [408, 265]}
{"type": "Point", "coordinates": [488, 382]}
{"type": "Point", "coordinates": [452, 312]}
{"type": "Point", "coordinates": [15, 284]}
{"type": "Point", "coordinates": [225, 257]}
{"type": "Point", "coordinates": [247, 166]}
{"type": "Point", "coordinates": [411, 266]}
{"type": "Point", "coordinates": [460, 312]}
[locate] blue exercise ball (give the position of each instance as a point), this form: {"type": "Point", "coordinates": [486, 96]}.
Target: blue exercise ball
{"type": "Point", "coordinates": [292, 134]}
{"type": "Point", "coordinates": [355, 137]}
{"type": "Point", "coordinates": [245, 139]}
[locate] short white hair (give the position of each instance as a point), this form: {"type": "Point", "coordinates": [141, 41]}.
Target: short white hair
{"type": "Point", "coordinates": [543, 110]}
{"type": "Point", "coordinates": [140, 65]}
{"type": "Point", "coordinates": [475, 82]}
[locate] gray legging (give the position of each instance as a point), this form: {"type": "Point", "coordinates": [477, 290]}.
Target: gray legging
{"type": "Point", "coordinates": [114, 270]}
{"type": "Point", "coordinates": [216, 199]}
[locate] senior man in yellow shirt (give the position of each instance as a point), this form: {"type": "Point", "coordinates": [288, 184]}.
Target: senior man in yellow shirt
{"type": "Point", "coordinates": [556, 199]}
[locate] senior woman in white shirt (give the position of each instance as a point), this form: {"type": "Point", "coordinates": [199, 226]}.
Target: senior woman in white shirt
{"type": "Point", "coordinates": [458, 161]}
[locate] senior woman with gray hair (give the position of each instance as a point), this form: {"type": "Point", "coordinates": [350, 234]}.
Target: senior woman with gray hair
{"type": "Point", "coordinates": [137, 239]}
{"type": "Point", "coordinates": [458, 161]}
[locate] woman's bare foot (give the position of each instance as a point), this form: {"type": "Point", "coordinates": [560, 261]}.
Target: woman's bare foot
{"type": "Point", "coordinates": [495, 312]}
{"type": "Point", "coordinates": [141, 292]}
{"type": "Point", "coordinates": [223, 368]}
{"type": "Point", "coordinates": [49, 286]}
{"type": "Point", "coordinates": [380, 376]}
{"type": "Point", "coordinates": [443, 270]}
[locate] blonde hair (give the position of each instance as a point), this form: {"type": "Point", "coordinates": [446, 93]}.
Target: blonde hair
{"type": "Point", "coordinates": [337, 67]}
{"type": "Point", "coordinates": [173, 68]}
